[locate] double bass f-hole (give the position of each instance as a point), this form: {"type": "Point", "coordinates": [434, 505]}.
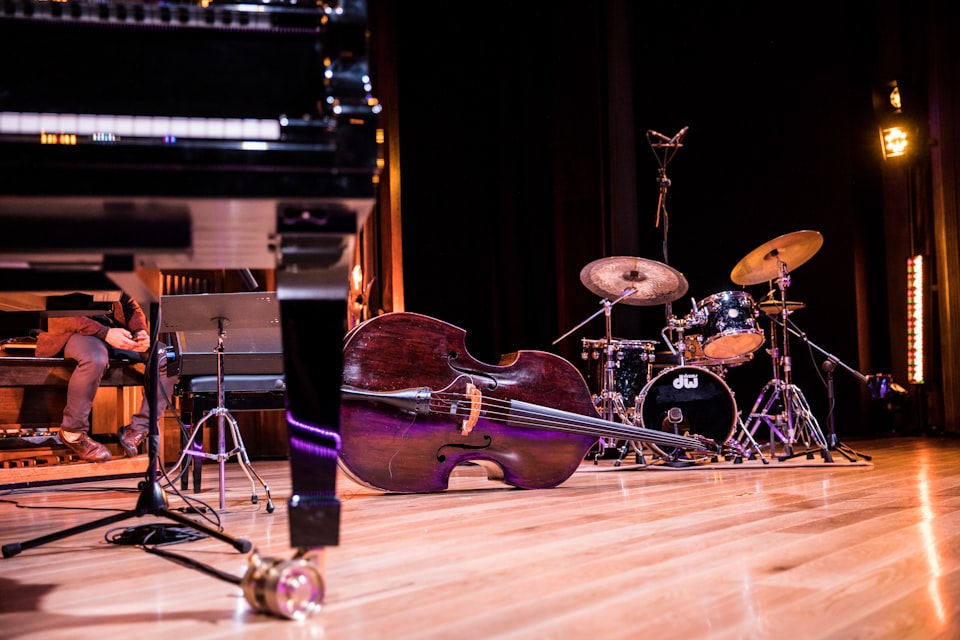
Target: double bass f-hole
{"type": "Point", "coordinates": [490, 382]}
{"type": "Point", "coordinates": [441, 457]}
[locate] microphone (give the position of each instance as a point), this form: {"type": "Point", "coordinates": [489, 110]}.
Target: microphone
{"type": "Point", "coordinates": [675, 415]}
{"type": "Point", "coordinates": [679, 135]}
{"type": "Point", "coordinates": [658, 134]}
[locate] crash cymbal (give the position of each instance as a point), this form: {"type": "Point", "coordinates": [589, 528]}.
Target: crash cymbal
{"type": "Point", "coordinates": [774, 307]}
{"type": "Point", "coordinates": [763, 263]}
{"type": "Point", "coordinates": [654, 282]}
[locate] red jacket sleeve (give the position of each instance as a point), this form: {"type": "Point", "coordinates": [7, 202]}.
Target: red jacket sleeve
{"type": "Point", "coordinates": [59, 329]}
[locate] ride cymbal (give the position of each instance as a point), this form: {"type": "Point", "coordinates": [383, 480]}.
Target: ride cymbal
{"type": "Point", "coordinates": [763, 263]}
{"type": "Point", "coordinates": [654, 282]}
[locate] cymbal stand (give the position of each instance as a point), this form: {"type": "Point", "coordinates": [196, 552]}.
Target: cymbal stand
{"type": "Point", "coordinates": [796, 415]}
{"type": "Point", "coordinates": [610, 403]}
{"type": "Point", "coordinates": [766, 400]}
{"type": "Point", "coordinates": [608, 407]}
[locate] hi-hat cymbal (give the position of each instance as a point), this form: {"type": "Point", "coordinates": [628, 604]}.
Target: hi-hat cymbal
{"type": "Point", "coordinates": [775, 307]}
{"type": "Point", "coordinates": [763, 263]}
{"type": "Point", "coordinates": [653, 282]}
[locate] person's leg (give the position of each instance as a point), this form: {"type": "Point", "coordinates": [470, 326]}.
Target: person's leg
{"type": "Point", "coordinates": [136, 432]}
{"type": "Point", "coordinates": [91, 356]}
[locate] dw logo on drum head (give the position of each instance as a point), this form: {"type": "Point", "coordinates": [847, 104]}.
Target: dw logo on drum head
{"type": "Point", "coordinates": [686, 381]}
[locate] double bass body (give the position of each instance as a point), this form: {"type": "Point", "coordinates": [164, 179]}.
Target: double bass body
{"type": "Point", "coordinates": [409, 448]}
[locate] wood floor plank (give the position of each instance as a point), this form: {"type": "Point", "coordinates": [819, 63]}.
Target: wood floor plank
{"type": "Point", "coordinates": [829, 550]}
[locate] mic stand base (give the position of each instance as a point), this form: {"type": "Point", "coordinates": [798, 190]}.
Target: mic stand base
{"type": "Point", "coordinates": [679, 463]}
{"type": "Point", "coordinates": [850, 454]}
{"type": "Point", "coordinates": [152, 501]}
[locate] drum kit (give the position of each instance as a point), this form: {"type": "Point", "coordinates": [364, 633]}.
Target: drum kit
{"type": "Point", "coordinates": [688, 394]}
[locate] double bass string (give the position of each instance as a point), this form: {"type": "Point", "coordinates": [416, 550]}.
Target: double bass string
{"type": "Point", "coordinates": [527, 415]}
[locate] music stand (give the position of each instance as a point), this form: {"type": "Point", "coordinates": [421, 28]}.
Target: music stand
{"type": "Point", "coordinates": [201, 313]}
{"type": "Point", "coordinates": [152, 499]}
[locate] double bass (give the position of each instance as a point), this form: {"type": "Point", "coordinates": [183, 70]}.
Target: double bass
{"type": "Point", "coordinates": [415, 404]}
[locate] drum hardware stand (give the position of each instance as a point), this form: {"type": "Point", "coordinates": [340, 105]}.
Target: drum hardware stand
{"type": "Point", "coordinates": [741, 451]}
{"type": "Point", "coordinates": [152, 499]}
{"type": "Point", "coordinates": [629, 445]}
{"type": "Point", "coordinates": [829, 365]}
{"type": "Point", "coordinates": [680, 325]}
{"type": "Point", "coordinates": [800, 422]}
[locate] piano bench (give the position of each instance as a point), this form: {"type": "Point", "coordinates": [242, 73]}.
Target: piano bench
{"type": "Point", "coordinates": [248, 392]}
{"type": "Point", "coordinates": [33, 390]}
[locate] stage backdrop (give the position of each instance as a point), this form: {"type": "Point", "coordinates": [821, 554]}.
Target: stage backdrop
{"type": "Point", "coordinates": [525, 157]}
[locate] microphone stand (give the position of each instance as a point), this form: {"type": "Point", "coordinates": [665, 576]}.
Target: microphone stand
{"type": "Point", "coordinates": [829, 365]}
{"type": "Point", "coordinates": [670, 147]}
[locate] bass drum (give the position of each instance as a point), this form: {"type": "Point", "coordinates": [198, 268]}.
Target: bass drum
{"type": "Point", "coordinates": [689, 400]}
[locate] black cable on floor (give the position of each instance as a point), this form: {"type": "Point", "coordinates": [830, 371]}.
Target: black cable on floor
{"type": "Point", "coordinates": [151, 536]}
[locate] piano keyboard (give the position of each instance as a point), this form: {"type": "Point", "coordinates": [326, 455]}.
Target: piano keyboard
{"type": "Point", "coordinates": [110, 128]}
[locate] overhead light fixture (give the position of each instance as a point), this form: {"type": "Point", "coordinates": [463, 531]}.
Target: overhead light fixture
{"type": "Point", "coordinates": [895, 97]}
{"type": "Point", "coordinates": [894, 142]}
{"type": "Point", "coordinates": [895, 131]}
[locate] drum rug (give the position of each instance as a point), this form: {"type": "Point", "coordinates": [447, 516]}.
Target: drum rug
{"type": "Point", "coordinates": [650, 463]}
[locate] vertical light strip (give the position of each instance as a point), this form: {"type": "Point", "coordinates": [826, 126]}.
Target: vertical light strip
{"type": "Point", "coordinates": [915, 319]}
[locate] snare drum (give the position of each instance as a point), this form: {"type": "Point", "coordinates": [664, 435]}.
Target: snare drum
{"type": "Point", "coordinates": [631, 365]}
{"type": "Point", "coordinates": [731, 325]}
{"type": "Point", "coordinates": [689, 400]}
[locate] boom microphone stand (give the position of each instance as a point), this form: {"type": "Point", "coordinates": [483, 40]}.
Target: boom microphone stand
{"type": "Point", "coordinates": [829, 365]}
{"type": "Point", "coordinates": [152, 499]}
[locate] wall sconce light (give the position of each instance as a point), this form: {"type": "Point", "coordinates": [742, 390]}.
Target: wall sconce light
{"type": "Point", "coordinates": [894, 130]}
{"type": "Point", "coordinates": [894, 142]}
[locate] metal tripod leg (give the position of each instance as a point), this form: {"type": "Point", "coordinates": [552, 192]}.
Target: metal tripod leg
{"type": "Point", "coordinates": [621, 410]}
{"type": "Point", "coordinates": [760, 413]}
{"type": "Point", "coordinates": [735, 442]}
{"type": "Point", "coordinates": [627, 446]}
{"type": "Point", "coordinates": [222, 455]}
{"type": "Point", "coordinates": [806, 428]}
{"type": "Point", "coordinates": [244, 461]}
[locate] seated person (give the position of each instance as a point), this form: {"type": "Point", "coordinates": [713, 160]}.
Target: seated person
{"type": "Point", "coordinates": [91, 341]}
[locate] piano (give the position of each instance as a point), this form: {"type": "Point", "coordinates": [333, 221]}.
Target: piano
{"type": "Point", "coordinates": [140, 136]}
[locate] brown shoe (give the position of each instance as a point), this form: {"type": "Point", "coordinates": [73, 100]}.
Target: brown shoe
{"type": "Point", "coordinates": [86, 448]}
{"type": "Point", "coordinates": [130, 439]}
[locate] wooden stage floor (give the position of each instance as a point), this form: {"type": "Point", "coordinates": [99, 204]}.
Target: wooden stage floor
{"type": "Point", "coordinates": [827, 550]}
